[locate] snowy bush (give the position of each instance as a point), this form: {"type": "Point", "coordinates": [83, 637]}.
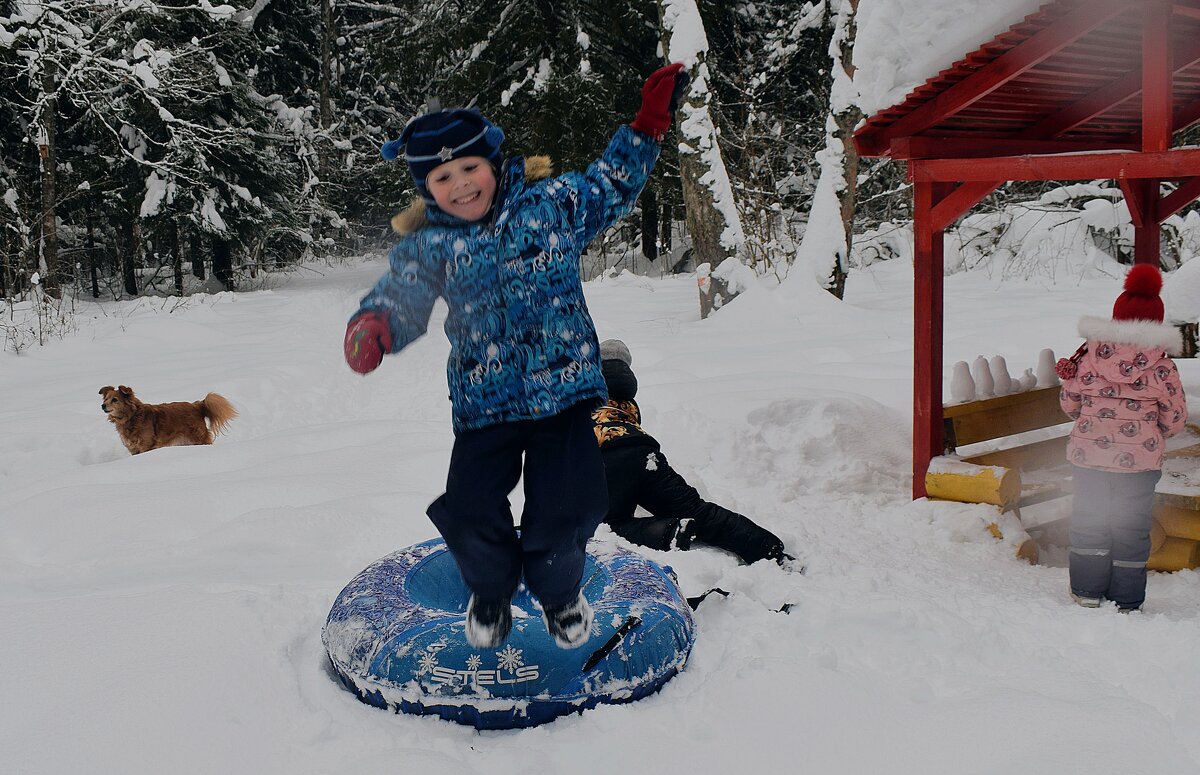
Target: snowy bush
{"type": "Point", "coordinates": [1070, 231]}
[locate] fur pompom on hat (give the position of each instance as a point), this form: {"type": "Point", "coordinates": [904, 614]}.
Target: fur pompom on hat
{"type": "Point", "coordinates": [615, 349]}
{"type": "Point", "coordinates": [437, 136]}
{"type": "Point", "coordinates": [1140, 300]}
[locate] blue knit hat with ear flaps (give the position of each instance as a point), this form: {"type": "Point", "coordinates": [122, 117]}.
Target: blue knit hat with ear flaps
{"type": "Point", "coordinates": [436, 137]}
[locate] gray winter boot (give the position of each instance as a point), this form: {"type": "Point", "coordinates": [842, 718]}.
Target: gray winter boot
{"type": "Point", "coordinates": [570, 624]}
{"type": "Point", "coordinates": [488, 622]}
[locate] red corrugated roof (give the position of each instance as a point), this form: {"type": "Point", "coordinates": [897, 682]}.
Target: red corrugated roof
{"type": "Point", "coordinates": [1053, 82]}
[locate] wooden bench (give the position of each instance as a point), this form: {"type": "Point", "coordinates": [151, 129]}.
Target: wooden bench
{"type": "Point", "coordinates": [1027, 475]}
{"type": "Point", "coordinates": [1175, 535]}
{"type": "Point", "coordinates": [1041, 466]}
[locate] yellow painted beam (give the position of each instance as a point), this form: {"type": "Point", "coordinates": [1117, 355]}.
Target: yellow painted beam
{"type": "Point", "coordinates": [1177, 522]}
{"type": "Point", "coordinates": [1175, 554]}
{"type": "Point", "coordinates": [954, 480]}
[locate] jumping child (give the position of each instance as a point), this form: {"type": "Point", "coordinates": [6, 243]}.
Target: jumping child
{"type": "Point", "coordinates": [503, 251]}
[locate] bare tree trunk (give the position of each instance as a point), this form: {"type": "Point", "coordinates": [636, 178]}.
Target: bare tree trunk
{"type": "Point", "coordinates": [846, 120]}
{"type": "Point", "coordinates": [176, 258]}
{"type": "Point", "coordinates": [129, 256]}
{"type": "Point", "coordinates": [91, 249]}
{"type": "Point", "coordinates": [4, 248]}
{"type": "Point", "coordinates": [48, 259]}
{"type": "Point", "coordinates": [222, 262]}
{"type": "Point", "coordinates": [327, 33]}
{"type": "Point", "coordinates": [704, 222]}
{"type": "Point", "coordinates": [668, 217]}
{"type": "Point", "coordinates": [649, 224]}
{"type": "Point", "coordinates": [197, 257]}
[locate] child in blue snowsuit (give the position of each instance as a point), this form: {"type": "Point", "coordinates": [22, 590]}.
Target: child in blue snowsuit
{"type": "Point", "coordinates": [524, 368]}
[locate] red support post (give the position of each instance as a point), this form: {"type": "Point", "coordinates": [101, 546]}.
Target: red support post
{"type": "Point", "coordinates": [928, 270]}
{"type": "Point", "coordinates": [1157, 75]}
{"type": "Point", "coordinates": [1141, 197]}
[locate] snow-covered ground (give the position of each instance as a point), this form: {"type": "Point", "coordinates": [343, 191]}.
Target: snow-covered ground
{"type": "Point", "coordinates": [162, 613]}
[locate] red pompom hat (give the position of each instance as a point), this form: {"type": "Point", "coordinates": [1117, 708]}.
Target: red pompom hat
{"type": "Point", "coordinates": [1140, 301]}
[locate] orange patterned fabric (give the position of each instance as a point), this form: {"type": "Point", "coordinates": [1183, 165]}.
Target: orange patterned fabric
{"type": "Point", "coordinates": [618, 420]}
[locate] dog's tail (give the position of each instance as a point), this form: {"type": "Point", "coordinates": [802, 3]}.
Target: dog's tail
{"type": "Point", "coordinates": [218, 411]}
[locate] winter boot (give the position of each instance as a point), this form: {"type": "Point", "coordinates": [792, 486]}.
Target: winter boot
{"type": "Point", "coordinates": [569, 624]}
{"type": "Point", "coordinates": [1087, 602]}
{"type": "Point", "coordinates": [488, 622]}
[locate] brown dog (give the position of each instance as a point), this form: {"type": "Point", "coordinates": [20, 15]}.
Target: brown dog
{"type": "Point", "coordinates": [144, 427]}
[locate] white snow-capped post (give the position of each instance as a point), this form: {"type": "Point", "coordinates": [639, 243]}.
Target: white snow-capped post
{"type": "Point", "coordinates": [713, 223]}
{"type": "Point", "coordinates": [1002, 381]}
{"type": "Point", "coordinates": [962, 384]}
{"type": "Point", "coordinates": [982, 372]}
{"type": "Point", "coordinates": [830, 230]}
{"type": "Point", "coordinates": [1046, 375]}
{"type": "Point", "coordinates": [1027, 381]}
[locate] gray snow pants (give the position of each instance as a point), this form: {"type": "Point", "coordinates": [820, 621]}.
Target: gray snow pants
{"type": "Point", "coordinates": [1110, 534]}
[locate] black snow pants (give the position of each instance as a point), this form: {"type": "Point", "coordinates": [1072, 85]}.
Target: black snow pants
{"type": "Point", "coordinates": [1110, 534]}
{"type": "Point", "coordinates": [639, 475]}
{"type": "Point", "coordinates": [565, 501]}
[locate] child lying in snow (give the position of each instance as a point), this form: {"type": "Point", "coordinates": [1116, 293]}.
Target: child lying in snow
{"type": "Point", "coordinates": [638, 475]}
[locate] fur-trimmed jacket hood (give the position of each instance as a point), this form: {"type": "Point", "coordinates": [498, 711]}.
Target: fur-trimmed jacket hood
{"type": "Point", "coordinates": [1126, 396]}
{"type": "Point", "coordinates": [413, 217]}
{"type": "Point", "coordinates": [1142, 333]}
{"type": "Point", "coordinates": [522, 342]}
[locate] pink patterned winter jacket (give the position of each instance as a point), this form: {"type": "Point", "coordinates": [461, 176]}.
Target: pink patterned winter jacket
{"type": "Point", "coordinates": [1126, 397]}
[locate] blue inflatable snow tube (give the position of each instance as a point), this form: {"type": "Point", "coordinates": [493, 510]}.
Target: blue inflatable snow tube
{"type": "Point", "coordinates": [396, 638]}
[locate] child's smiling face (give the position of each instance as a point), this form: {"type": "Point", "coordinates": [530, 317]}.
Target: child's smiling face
{"type": "Point", "coordinates": [463, 187]}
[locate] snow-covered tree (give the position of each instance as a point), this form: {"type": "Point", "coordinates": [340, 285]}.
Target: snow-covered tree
{"type": "Point", "coordinates": [826, 245]}
{"type": "Point", "coordinates": [155, 103]}
{"type": "Point", "coordinates": [765, 110]}
{"type": "Point", "coordinates": [712, 216]}
{"type": "Point", "coordinates": [14, 231]}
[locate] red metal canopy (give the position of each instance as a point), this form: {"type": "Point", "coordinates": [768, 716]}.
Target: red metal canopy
{"type": "Point", "coordinates": [1079, 90]}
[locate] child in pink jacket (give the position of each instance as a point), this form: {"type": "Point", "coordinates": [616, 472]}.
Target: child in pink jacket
{"type": "Point", "coordinates": [1124, 393]}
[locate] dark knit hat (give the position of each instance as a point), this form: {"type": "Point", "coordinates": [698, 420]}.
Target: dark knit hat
{"type": "Point", "coordinates": [615, 349]}
{"type": "Point", "coordinates": [436, 137]}
{"type": "Point", "coordinates": [1140, 300]}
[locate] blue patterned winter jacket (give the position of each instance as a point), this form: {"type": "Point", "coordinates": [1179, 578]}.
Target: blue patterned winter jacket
{"type": "Point", "coordinates": [522, 343]}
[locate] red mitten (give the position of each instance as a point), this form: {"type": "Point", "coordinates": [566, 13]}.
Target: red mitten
{"type": "Point", "coordinates": [367, 339]}
{"type": "Point", "coordinates": [660, 97]}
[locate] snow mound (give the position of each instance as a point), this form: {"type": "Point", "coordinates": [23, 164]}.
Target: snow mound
{"type": "Point", "coordinates": [1182, 293]}
{"type": "Point", "coordinates": [843, 444]}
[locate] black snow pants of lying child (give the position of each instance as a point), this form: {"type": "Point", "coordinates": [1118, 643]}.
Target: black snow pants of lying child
{"type": "Point", "coordinates": [639, 475]}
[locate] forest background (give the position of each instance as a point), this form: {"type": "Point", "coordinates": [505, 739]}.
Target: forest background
{"type": "Point", "coordinates": [160, 147]}
{"type": "Point", "coordinates": [141, 141]}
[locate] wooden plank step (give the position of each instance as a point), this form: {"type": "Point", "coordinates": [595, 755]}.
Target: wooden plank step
{"type": "Point", "coordinates": [995, 418]}
{"type": "Point", "coordinates": [1040, 492]}
{"type": "Point", "coordinates": [1045, 454]}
